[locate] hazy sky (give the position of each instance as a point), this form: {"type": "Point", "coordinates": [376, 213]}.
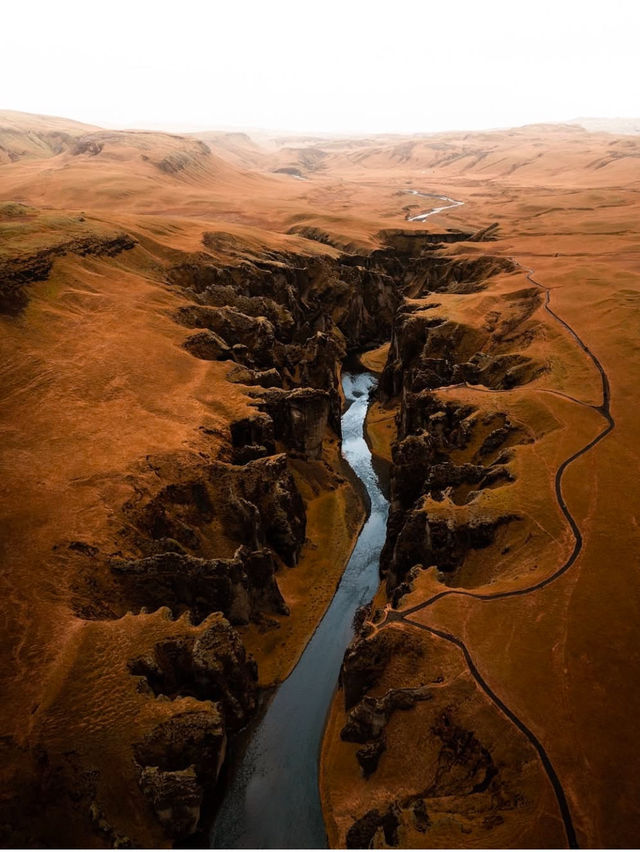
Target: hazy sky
{"type": "Point", "coordinates": [333, 65]}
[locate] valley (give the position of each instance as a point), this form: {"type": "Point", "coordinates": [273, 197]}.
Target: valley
{"type": "Point", "coordinates": [180, 319]}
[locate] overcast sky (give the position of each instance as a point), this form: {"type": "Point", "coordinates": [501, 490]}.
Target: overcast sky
{"type": "Point", "coordinates": [331, 65]}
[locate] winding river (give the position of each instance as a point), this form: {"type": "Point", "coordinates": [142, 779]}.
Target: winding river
{"type": "Point", "coordinates": [420, 217]}
{"type": "Point", "coordinates": [273, 800]}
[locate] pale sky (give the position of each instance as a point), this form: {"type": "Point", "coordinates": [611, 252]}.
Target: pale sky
{"type": "Point", "coordinates": [321, 65]}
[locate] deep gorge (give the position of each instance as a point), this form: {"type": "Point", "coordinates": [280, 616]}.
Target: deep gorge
{"type": "Point", "coordinates": [183, 324]}
{"type": "Point", "coordinates": [207, 538]}
{"type": "Point", "coordinates": [288, 323]}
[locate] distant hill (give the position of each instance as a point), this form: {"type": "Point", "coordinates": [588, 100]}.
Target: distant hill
{"type": "Point", "coordinates": [609, 125]}
{"type": "Point", "coordinates": [24, 134]}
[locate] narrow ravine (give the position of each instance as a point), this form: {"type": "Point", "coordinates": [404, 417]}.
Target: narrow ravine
{"type": "Point", "coordinates": [273, 800]}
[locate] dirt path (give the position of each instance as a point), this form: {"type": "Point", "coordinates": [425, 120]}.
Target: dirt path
{"type": "Point", "coordinates": [403, 615]}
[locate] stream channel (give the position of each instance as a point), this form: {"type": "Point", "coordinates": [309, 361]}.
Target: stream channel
{"type": "Point", "coordinates": [272, 800]}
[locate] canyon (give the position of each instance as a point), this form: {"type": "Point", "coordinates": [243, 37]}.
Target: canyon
{"type": "Point", "coordinates": [181, 316]}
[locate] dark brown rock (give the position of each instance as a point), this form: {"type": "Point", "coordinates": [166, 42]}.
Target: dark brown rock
{"type": "Point", "coordinates": [362, 833]}
{"type": "Point", "coordinates": [300, 418]}
{"type": "Point", "coordinates": [252, 437]}
{"type": "Point", "coordinates": [368, 718]}
{"type": "Point", "coordinates": [267, 507]}
{"type": "Point", "coordinates": [211, 667]}
{"type": "Point", "coordinates": [208, 346]}
{"type": "Point", "coordinates": [175, 797]}
{"type": "Point", "coordinates": [369, 756]}
{"type": "Point", "coordinates": [366, 659]}
{"type": "Point", "coordinates": [435, 541]}
{"type": "Point", "coordinates": [265, 378]}
{"type": "Point", "coordinates": [256, 334]}
{"type": "Point", "coordinates": [181, 582]}
{"type": "Point", "coordinates": [257, 504]}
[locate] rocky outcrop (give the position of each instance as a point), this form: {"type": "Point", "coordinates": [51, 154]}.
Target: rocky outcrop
{"type": "Point", "coordinates": [299, 418]}
{"type": "Point", "coordinates": [253, 337]}
{"type": "Point", "coordinates": [260, 567]}
{"type": "Point", "coordinates": [264, 378]}
{"type": "Point", "coordinates": [257, 504]}
{"type": "Point", "coordinates": [194, 738]}
{"type": "Point", "coordinates": [458, 274]}
{"type": "Point", "coordinates": [211, 666]}
{"type": "Point", "coordinates": [349, 299]}
{"type": "Point", "coordinates": [280, 520]}
{"type": "Point", "coordinates": [442, 543]}
{"type": "Point", "coordinates": [369, 756]}
{"type": "Point", "coordinates": [367, 720]}
{"type": "Point", "coordinates": [315, 364]}
{"type": "Point", "coordinates": [180, 759]}
{"type": "Point", "coordinates": [180, 160]}
{"type": "Point", "coordinates": [199, 586]}
{"type": "Point", "coordinates": [429, 431]}
{"type": "Point", "coordinates": [464, 770]}
{"type": "Point", "coordinates": [253, 437]}
{"type": "Point", "coordinates": [175, 797]}
{"type": "Point", "coordinates": [367, 657]}
{"type": "Point", "coordinates": [16, 273]}
{"type": "Point", "coordinates": [312, 232]}
{"type": "Point", "coordinates": [238, 587]}
{"type": "Point", "coordinates": [414, 243]}
{"type": "Point", "coordinates": [375, 829]}
{"type": "Point", "coordinates": [87, 145]}
{"type": "Point", "coordinates": [429, 352]}
{"type": "Point", "coordinates": [208, 346]}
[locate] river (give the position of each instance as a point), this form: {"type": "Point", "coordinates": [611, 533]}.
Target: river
{"type": "Point", "coordinates": [273, 800]}
{"type": "Point", "coordinates": [420, 217]}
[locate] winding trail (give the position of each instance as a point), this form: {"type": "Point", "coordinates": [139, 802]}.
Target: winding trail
{"type": "Point", "coordinates": [604, 409]}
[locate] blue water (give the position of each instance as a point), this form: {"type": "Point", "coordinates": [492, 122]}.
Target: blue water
{"type": "Point", "coordinates": [273, 801]}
